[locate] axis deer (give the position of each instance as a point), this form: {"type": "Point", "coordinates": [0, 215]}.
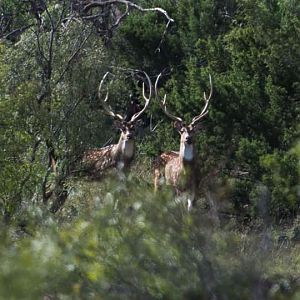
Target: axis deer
{"type": "Point", "coordinates": [118, 155]}
{"type": "Point", "coordinates": [180, 168]}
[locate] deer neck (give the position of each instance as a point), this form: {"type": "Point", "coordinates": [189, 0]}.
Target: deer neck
{"type": "Point", "coordinates": [125, 147]}
{"type": "Point", "coordinates": [187, 153]}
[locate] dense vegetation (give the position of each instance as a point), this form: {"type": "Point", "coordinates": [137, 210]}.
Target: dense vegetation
{"type": "Point", "coordinates": [65, 237]}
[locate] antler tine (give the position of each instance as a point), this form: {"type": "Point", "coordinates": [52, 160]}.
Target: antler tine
{"type": "Point", "coordinates": [104, 101]}
{"type": "Point", "coordinates": [163, 104]}
{"type": "Point", "coordinates": [211, 89]}
{"type": "Point", "coordinates": [204, 111]}
{"type": "Point", "coordinates": [147, 100]}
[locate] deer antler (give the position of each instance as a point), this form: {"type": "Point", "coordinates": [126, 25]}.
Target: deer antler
{"type": "Point", "coordinates": [147, 100]}
{"type": "Point", "coordinates": [204, 111]}
{"type": "Point", "coordinates": [104, 101]}
{"type": "Point", "coordinates": [163, 104]}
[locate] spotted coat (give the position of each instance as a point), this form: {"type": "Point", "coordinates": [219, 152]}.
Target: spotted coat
{"type": "Point", "coordinates": [96, 161]}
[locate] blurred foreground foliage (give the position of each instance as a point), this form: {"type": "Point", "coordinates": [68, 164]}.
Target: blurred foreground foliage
{"type": "Point", "coordinates": [123, 242]}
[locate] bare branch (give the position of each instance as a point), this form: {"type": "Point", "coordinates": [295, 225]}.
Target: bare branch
{"type": "Point", "coordinates": [116, 24]}
{"type": "Point", "coordinates": [17, 31]}
{"type": "Point", "coordinates": [66, 21]}
{"type": "Point", "coordinates": [163, 36]}
{"type": "Point", "coordinates": [67, 116]}
{"type": "Point", "coordinates": [72, 58]}
{"type": "Point", "coordinates": [41, 51]}
{"type": "Point", "coordinates": [93, 17]}
{"type": "Point", "coordinates": [129, 4]}
{"type": "Point", "coordinates": [153, 128]}
{"type": "Point", "coordinates": [61, 17]}
{"type": "Point", "coordinates": [51, 40]}
{"type": "Point", "coordinates": [108, 142]}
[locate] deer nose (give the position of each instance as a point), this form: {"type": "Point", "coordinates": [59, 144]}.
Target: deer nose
{"type": "Point", "coordinates": [189, 140]}
{"type": "Point", "coordinates": [130, 136]}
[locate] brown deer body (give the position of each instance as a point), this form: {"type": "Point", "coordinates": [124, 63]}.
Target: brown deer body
{"type": "Point", "coordinates": [120, 155]}
{"type": "Point", "coordinates": [181, 168]}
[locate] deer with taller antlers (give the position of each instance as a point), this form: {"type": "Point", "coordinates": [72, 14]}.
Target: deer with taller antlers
{"type": "Point", "coordinates": [180, 168]}
{"type": "Point", "coordinates": [118, 155]}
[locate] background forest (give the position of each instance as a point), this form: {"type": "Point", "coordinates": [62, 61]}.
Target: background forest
{"type": "Point", "coordinates": [66, 237]}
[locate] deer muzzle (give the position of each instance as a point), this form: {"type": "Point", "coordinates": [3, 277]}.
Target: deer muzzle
{"type": "Point", "coordinates": [188, 140]}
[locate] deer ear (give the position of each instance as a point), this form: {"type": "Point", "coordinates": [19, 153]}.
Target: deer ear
{"type": "Point", "coordinates": [178, 125]}
{"type": "Point", "coordinates": [196, 127]}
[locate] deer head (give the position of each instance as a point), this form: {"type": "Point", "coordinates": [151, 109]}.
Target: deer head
{"type": "Point", "coordinates": [186, 131]}
{"type": "Point", "coordinates": [127, 127]}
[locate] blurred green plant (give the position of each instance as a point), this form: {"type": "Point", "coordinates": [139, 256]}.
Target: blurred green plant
{"type": "Point", "coordinates": [131, 244]}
